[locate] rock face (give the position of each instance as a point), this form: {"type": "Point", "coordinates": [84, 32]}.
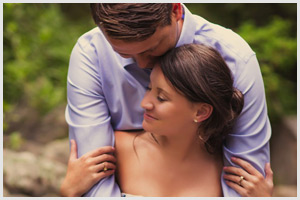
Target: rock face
{"type": "Point", "coordinates": [27, 174]}
{"type": "Point", "coordinates": [39, 164]}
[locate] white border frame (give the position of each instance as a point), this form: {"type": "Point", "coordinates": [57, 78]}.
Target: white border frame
{"type": "Point", "coordinates": [133, 1]}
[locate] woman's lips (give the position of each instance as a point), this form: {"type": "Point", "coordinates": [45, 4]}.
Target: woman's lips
{"type": "Point", "coordinates": [149, 117]}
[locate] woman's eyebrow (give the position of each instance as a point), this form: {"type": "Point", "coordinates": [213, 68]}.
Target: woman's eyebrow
{"type": "Point", "coordinates": [162, 90]}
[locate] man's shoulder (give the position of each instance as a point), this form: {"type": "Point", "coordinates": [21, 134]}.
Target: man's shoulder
{"type": "Point", "coordinates": [224, 39]}
{"type": "Point", "coordinates": [91, 38]}
{"type": "Point", "coordinates": [91, 45]}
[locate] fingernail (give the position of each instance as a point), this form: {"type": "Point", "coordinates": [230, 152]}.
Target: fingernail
{"type": "Point", "coordinates": [224, 167]}
{"type": "Point", "coordinates": [233, 158]}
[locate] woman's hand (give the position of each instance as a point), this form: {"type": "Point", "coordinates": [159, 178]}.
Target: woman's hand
{"type": "Point", "coordinates": [84, 172]}
{"type": "Point", "coordinates": [249, 182]}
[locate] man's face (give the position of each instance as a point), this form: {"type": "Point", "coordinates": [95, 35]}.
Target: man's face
{"type": "Point", "coordinates": [144, 52]}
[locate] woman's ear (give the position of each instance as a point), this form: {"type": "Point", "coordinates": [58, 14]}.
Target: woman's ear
{"type": "Point", "coordinates": [203, 112]}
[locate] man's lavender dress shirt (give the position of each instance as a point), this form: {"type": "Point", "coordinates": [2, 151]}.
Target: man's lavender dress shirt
{"type": "Point", "coordinates": [105, 91]}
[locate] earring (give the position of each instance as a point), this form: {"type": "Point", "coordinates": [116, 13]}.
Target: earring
{"type": "Point", "coordinates": [195, 121]}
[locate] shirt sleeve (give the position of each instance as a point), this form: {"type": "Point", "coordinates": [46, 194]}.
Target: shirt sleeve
{"type": "Point", "coordinates": [250, 137]}
{"type": "Point", "coordinates": [87, 113]}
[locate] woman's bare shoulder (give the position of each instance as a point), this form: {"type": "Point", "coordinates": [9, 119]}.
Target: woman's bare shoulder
{"type": "Point", "coordinates": [127, 134]}
{"type": "Point", "coordinates": [124, 139]}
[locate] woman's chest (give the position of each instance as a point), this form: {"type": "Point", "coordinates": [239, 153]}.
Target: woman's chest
{"type": "Point", "coordinates": [153, 178]}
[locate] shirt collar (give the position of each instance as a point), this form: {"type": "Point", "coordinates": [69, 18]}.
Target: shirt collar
{"type": "Point", "coordinates": [126, 61]}
{"type": "Point", "coordinates": [188, 29]}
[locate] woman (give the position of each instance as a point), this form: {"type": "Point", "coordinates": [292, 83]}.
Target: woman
{"type": "Point", "coordinates": [190, 107]}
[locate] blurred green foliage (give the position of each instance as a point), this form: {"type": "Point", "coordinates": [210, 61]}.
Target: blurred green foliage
{"type": "Point", "coordinates": [15, 140]}
{"type": "Point", "coordinates": [276, 50]}
{"type": "Point", "coordinates": [233, 15]}
{"type": "Point", "coordinates": [38, 39]}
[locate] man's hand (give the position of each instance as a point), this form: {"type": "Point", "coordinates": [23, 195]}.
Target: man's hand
{"type": "Point", "coordinates": [84, 172]}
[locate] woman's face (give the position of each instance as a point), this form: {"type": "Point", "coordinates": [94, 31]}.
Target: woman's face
{"type": "Point", "coordinates": [167, 112]}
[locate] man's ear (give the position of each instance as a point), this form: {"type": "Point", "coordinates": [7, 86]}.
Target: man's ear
{"type": "Point", "coordinates": [177, 10]}
{"type": "Point", "coordinates": [203, 112]}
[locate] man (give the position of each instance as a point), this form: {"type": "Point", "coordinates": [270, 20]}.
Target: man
{"type": "Point", "coordinates": [109, 71]}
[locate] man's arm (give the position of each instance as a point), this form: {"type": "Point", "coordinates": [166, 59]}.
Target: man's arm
{"type": "Point", "coordinates": [87, 112]}
{"type": "Point", "coordinates": [250, 137]}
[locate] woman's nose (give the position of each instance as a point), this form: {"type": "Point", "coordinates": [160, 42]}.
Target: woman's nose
{"type": "Point", "coordinates": [146, 103]}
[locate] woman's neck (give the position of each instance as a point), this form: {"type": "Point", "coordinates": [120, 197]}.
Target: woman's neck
{"type": "Point", "coordinates": [179, 147]}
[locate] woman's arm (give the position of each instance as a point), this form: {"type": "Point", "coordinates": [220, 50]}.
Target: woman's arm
{"type": "Point", "coordinates": [247, 181]}
{"type": "Point", "coordinates": [84, 172]}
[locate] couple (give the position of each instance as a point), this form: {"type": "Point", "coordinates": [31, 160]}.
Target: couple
{"type": "Point", "coordinates": [190, 106]}
{"type": "Point", "coordinates": [107, 77]}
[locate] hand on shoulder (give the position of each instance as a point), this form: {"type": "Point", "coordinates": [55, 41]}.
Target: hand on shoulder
{"type": "Point", "coordinates": [87, 170]}
{"type": "Point", "coordinates": [247, 181]}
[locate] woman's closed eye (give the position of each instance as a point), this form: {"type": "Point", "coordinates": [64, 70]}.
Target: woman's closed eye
{"type": "Point", "coordinates": [160, 99]}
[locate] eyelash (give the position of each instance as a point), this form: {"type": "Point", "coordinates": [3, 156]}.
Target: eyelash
{"type": "Point", "coordinates": [158, 97]}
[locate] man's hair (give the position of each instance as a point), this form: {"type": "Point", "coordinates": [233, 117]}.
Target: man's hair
{"type": "Point", "coordinates": [200, 73]}
{"type": "Point", "coordinates": [131, 21]}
